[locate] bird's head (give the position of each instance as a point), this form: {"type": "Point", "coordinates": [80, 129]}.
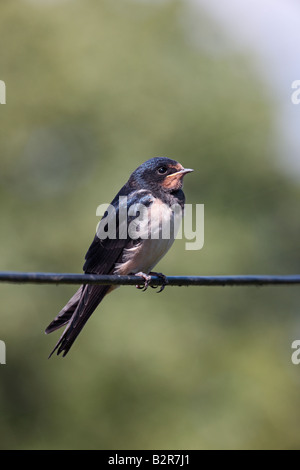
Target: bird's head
{"type": "Point", "coordinates": [159, 172]}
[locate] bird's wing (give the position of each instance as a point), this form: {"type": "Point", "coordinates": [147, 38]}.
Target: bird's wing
{"type": "Point", "coordinates": [104, 253]}
{"type": "Point", "coordinates": [101, 258]}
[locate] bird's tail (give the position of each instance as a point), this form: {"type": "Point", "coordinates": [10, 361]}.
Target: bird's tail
{"type": "Point", "coordinates": [75, 314]}
{"type": "Point", "coordinates": [66, 313]}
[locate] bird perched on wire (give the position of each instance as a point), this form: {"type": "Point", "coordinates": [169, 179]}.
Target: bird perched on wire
{"type": "Point", "coordinates": [134, 234]}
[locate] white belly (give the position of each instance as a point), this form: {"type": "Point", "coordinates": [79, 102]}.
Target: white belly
{"type": "Point", "coordinates": [146, 254]}
{"type": "Point", "coordinates": [149, 255]}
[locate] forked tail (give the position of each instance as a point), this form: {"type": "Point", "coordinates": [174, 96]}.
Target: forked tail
{"type": "Point", "coordinates": [75, 314]}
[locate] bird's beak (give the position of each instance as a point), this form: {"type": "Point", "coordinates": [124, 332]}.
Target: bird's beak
{"type": "Point", "coordinates": [181, 172]}
{"type": "Point", "coordinates": [186, 170]}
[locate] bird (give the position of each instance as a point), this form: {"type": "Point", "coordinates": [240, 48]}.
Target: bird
{"type": "Point", "coordinates": [138, 243]}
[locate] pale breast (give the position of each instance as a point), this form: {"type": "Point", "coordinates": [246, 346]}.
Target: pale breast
{"type": "Point", "coordinates": [148, 252]}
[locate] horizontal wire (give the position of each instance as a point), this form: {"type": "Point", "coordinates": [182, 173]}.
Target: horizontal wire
{"type": "Point", "coordinates": [67, 278]}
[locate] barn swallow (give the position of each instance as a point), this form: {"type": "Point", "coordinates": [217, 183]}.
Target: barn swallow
{"type": "Point", "coordinates": [155, 185]}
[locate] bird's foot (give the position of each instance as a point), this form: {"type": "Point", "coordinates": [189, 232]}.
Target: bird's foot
{"type": "Point", "coordinates": [163, 278]}
{"type": "Point", "coordinates": [147, 279]}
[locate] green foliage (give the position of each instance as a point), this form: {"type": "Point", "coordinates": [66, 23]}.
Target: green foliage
{"type": "Point", "coordinates": [94, 88]}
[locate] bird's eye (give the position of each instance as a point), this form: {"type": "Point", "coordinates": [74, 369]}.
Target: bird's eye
{"type": "Point", "coordinates": [162, 170]}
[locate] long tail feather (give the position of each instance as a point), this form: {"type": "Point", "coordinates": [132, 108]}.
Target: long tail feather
{"type": "Point", "coordinates": [90, 297]}
{"type": "Point", "coordinates": [66, 313]}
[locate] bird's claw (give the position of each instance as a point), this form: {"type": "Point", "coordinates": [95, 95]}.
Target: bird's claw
{"type": "Point", "coordinates": [147, 279]}
{"type": "Point", "coordinates": [164, 281]}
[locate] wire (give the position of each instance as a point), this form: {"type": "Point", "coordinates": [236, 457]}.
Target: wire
{"type": "Point", "coordinates": [67, 278]}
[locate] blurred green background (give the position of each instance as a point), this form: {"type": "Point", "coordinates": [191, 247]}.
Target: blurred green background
{"type": "Point", "coordinates": [94, 88]}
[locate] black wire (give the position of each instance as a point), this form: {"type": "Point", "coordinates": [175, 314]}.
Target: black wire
{"type": "Point", "coordinates": [66, 278]}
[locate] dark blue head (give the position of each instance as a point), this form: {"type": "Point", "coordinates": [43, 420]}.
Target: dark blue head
{"type": "Point", "coordinates": [159, 173]}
